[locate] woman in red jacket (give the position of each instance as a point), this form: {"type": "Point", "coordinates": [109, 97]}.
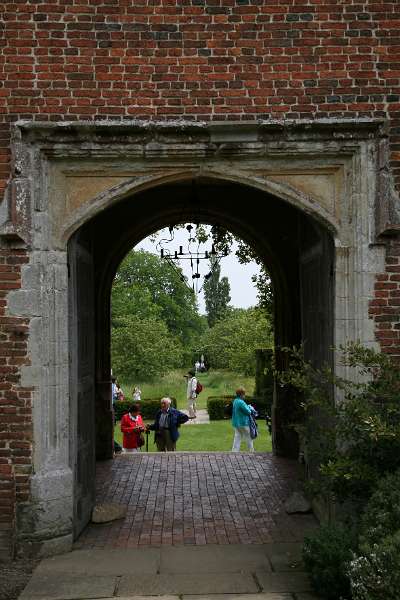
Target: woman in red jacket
{"type": "Point", "coordinates": [132, 427]}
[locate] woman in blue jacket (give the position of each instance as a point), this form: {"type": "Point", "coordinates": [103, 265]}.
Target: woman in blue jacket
{"type": "Point", "coordinates": [240, 421]}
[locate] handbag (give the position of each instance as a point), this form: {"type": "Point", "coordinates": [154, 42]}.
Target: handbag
{"type": "Point", "coordinates": [140, 441]}
{"type": "Point", "coordinates": [253, 427]}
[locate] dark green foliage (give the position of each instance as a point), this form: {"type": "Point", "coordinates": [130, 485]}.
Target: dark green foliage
{"type": "Point", "coordinates": [375, 574]}
{"type": "Point", "coordinates": [148, 407]}
{"type": "Point", "coordinates": [327, 554]}
{"type": "Point", "coordinates": [217, 406]}
{"type": "Point", "coordinates": [382, 514]}
{"type": "Point", "coordinates": [357, 440]}
{"type": "Point", "coordinates": [264, 372]}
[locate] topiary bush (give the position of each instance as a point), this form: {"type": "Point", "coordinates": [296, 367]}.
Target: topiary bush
{"type": "Point", "coordinates": [218, 407]}
{"type": "Point", "coordinates": [382, 514]}
{"type": "Point", "coordinates": [148, 407]}
{"type": "Point", "coordinates": [327, 554]}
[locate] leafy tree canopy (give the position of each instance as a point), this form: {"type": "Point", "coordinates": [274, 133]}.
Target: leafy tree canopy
{"type": "Point", "coordinates": [144, 348]}
{"type": "Point", "coordinates": [149, 287]}
{"type": "Point", "coordinates": [230, 344]}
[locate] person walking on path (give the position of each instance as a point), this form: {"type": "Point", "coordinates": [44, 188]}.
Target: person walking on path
{"type": "Point", "coordinates": [240, 421]}
{"type": "Point", "coordinates": [137, 394]}
{"type": "Point", "coordinates": [166, 424]}
{"type": "Point", "coordinates": [132, 427]}
{"type": "Point", "coordinates": [191, 394]}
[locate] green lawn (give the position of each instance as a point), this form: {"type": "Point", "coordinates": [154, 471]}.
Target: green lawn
{"type": "Point", "coordinates": [214, 437]}
{"type": "Point", "coordinates": [173, 384]}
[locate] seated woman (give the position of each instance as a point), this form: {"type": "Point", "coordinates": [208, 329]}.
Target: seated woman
{"type": "Point", "coordinates": [132, 427]}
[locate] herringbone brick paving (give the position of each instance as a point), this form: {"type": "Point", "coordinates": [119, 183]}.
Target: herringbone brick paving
{"type": "Point", "coordinates": [196, 499]}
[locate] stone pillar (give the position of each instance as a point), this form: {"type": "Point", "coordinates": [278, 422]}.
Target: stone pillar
{"type": "Point", "coordinates": [45, 520]}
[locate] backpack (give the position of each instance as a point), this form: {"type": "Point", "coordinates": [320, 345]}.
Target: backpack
{"type": "Point", "coordinates": [199, 387]}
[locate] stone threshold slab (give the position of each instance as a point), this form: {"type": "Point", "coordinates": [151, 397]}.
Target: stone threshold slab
{"type": "Point", "coordinates": [59, 586]}
{"type": "Point", "coordinates": [173, 584]}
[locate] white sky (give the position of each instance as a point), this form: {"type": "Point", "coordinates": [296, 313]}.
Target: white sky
{"type": "Point", "coordinates": [243, 292]}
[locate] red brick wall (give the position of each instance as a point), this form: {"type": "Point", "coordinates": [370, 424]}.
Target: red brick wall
{"type": "Point", "coordinates": [201, 59]}
{"type": "Point", "coordinates": [385, 308]}
{"type": "Point", "coordinates": [15, 403]}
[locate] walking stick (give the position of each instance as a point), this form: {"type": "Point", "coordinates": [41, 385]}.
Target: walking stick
{"type": "Point", "coordinates": [147, 440]}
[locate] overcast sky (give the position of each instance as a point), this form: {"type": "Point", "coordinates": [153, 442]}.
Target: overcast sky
{"type": "Point", "coordinates": [243, 292]}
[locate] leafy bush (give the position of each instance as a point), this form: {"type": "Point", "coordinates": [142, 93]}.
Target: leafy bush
{"type": "Point", "coordinates": [375, 574]}
{"type": "Point", "coordinates": [327, 554]}
{"type": "Point", "coordinates": [231, 342]}
{"type": "Point", "coordinates": [382, 514]}
{"type": "Point", "coordinates": [356, 440]}
{"type": "Point", "coordinates": [217, 406]}
{"type": "Point", "coordinates": [148, 407]}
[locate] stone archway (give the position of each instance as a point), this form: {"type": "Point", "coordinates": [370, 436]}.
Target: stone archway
{"type": "Point", "coordinates": [315, 185]}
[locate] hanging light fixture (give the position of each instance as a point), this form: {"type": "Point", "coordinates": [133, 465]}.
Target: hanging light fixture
{"type": "Point", "coordinates": [195, 256]}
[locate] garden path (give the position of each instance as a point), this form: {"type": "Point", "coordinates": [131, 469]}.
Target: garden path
{"type": "Point", "coordinates": [201, 417]}
{"type": "Point", "coordinates": [199, 526]}
{"type": "Point", "coordinates": [196, 499]}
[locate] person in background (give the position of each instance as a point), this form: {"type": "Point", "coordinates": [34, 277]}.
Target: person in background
{"type": "Point", "coordinates": [137, 394]}
{"type": "Point", "coordinates": [196, 366]}
{"type": "Point", "coordinates": [132, 427]}
{"type": "Point", "coordinates": [240, 421]}
{"type": "Point", "coordinates": [166, 424]}
{"type": "Point", "coordinates": [120, 393]}
{"type": "Point", "coordinates": [114, 392]}
{"type": "Point", "coordinates": [191, 393]}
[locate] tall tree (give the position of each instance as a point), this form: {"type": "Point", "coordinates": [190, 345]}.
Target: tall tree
{"type": "Point", "coordinates": [232, 342]}
{"type": "Point", "coordinates": [216, 294]}
{"type": "Point", "coordinates": [149, 287]}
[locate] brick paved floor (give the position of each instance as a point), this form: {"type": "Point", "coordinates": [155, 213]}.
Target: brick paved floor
{"type": "Point", "coordinates": [197, 499]}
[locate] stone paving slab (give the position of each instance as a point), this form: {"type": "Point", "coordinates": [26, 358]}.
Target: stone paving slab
{"type": "Point", "coordinates": [285, 556]}
{"type": "Point", "coordinates": [283, 582]}
{"type": "Point", "coordinates": [214, 559]}
{"type": "Point", "coordinates": [179, 583]}
{"type": "Point", "coordinates": [60, 586]}
{"type": "Point", "coordinates": [103, 562]}
{"type": "Point", "coordinates": [260, 596]}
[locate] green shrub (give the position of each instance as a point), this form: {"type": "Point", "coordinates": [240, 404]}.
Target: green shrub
{"type": "Point", "coordinates": [382, 514]}
{"type": "Point", "coordinates": [327, 554]}
{"type": "Point", "coordinates": [375, 575]}
{"type": "Point", "coordinates": [217, 406]}
{"type": "Point", "coordinates": [355, 441]}
{"type": "Point", "coordinates": [148, 407]}
{"type": "Point", "coordinates": [375, 572]}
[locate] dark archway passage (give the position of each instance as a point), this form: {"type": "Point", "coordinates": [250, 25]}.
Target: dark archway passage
{"type": "Point", "coordinates": [296, 248]}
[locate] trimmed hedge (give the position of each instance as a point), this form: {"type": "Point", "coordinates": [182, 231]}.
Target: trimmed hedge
{"type": "Point", "coordinates": [217, 406]}
{"type": "Point", "coordinates": [148, 407]}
